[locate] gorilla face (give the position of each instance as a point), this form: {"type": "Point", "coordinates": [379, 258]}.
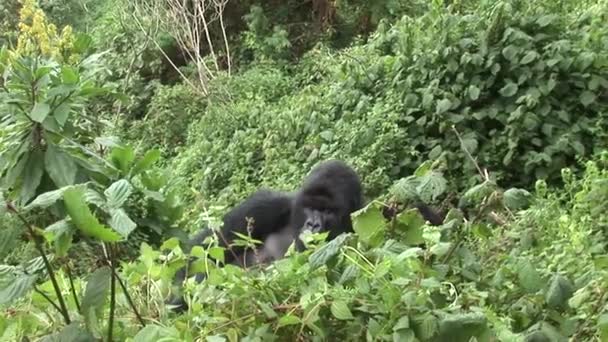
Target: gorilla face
{"type": "Point", "coordinates": [320, 220]}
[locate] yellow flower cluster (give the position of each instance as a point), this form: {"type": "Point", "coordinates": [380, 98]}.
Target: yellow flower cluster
{"type": "Point", "coordinates": [38, 36]}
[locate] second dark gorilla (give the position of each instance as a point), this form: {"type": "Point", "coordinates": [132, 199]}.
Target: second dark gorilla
{"type": "Point", "coordinates": [328, 196]}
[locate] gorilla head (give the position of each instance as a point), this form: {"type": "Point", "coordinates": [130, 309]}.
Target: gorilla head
{"type": "Point", "coordinates": [325, 201]}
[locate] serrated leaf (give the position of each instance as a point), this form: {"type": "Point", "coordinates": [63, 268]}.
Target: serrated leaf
{"type": "Point", "coordinates": [516, 199]}
{"type": "Point", "coordinates": [587, 98]}
{"type": "Point", "coordinates": [369, 225]}
{"type": "Point", "coordinates": [60, 166]}
{"type": "Point", "coordinates": [340, 310]}
{"type": "Point", "coordinates": [322, 255]}
{"type": "Point", "coordinates": [443, 106]}
{"type": "Point", "coordinates": [559, 292]}
{"type": "Point", "coordinates": [40, 111]}
{"type": "Point", "coordinates": [83, 218]}
{"type": "Point", "coordinates": [96, 291]}
{"type": "Point", "coordinates": [117, 193]}
{"type": "Point", "coordinates": [121, 222]}
{"type": "Point", "coordinates": [16, 288]}
{"type": "Point", "coordinates": [509, 89]}
{"type": "Point", "coordinates": [148, 160]}
{"type": "Point", "coordinates": [474, 92]}
{"type": "Point", "coordinates": [528, 276]}
{"type": "Point", "coordinates": [426, 327]}
{"type": "Point", "coordinates": [431, 186]}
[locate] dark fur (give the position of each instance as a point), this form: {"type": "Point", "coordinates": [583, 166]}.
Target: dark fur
{"type": "Point", "coordinates": [328, 196]}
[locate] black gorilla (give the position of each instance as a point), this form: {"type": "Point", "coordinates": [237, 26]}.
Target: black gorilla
{"type": "Point", "coordinates": [328, 196]}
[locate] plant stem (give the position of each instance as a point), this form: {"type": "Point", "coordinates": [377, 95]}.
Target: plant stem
{"type": "Point", "coordinates": [129, 299]}
{"type": "Point", "coordinates": [37, 290]}
{"type": "Point", "coordinates": [110, 260]}
{"type": "Point", "coordinates": [64, 309]}
{"type": "Point", "coordinates": [69, 272]}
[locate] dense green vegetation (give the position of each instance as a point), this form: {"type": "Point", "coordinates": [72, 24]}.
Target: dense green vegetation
{"type": "Point", "coordinates": [125, 126]}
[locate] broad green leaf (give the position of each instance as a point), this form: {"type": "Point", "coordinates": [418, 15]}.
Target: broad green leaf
{"type": "Point", "coordinates": [402, 323]}
{"type": "Point", "coordinates": [60, 166]}
{"type": "Point", "coordinates": [587, 98]}
{"type": "Point", "coordinates": [559, 292]}
{"type": "Point", "coordinates": [545, 20]}
{"type": "Point", "coordinates": [121, 222]}
{"type": "Point", "coordinates": [441, 248]}
{"type": "Point", "coordinates": [83, 218]}
{"type": "Point", "coordinates": [322, 255]}
{"type": "Point", "coordinates": [157, 333]}
{"type": "Point", "coordinates": [462, 327]}
{"type": "Point", "coordinates": [528, 57]}
{"type": "Point", "coordinates": [411, 223]}
{"type": "Point", "coordinates": [117, 193]}
{"type": "Point", "coordinates": [431, 186]}
{"type": "Point", "coordinates": [16, 288]}
{"type": "Point", "coordinates": [516, 199]}
{"type": "Point", "coordinates": [443, 106]}
{"type": "Point", "coordinates": [62, 113]}
{"type": "Point", "coordinates": [108, 141]}
{"type": "Point", "coordinates": [122, 158]}
{"type": "Point", "coordinates": [369, 224]}
{"type": "Point", "coordinates": [602, 325]}
{"type": "Point", "coordinates": [288, 320]}
{"type": "Point", "coordinates": [528, 276]}
{"type": "Point", "coordinates": [510, 53]}
{"type": "Point", "coordinates": [69, 75]}
{"type": "Point", "coordinates": [97, 290]}
{"type": "Point", "coordinates": [144, 164]}
{"type": "Point", "coordinates": [40, 112]}
{"type": "Point", "coordinates": [46, 199]}
{"type": "Point", "coordinates": [474, 92]}
{"type": "Point", "coordinates": [32, 176]}
{"type": "Point", "coordinates": [509, 89]}
{"type": "Point", "coordinates": [424, 169]}
{"type": "Point", "coordinates": [340, 310]}
{"type": "Point", "coordinates": [426, 326]}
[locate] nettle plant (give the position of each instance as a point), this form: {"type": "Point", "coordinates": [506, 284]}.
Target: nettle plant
{"type": "Point", "coordinates": [54, 174]}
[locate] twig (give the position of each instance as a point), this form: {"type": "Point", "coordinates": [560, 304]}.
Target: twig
{"type": "Point", "coordinates": [37, 290]}
{"type": "Point", "coordinates": [63, 308]}
{"type": "Point", "coordinates": [483, 174]}
{"type": "Point", "coordinates": [110, 260]}
{"type": "Point", "coordinates": [128, 296]}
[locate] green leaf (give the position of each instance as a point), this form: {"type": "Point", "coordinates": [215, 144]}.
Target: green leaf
{"type": "Point", "coordinates": [474, 92]}
{"type": "Point", "coordinates": [46, 199]}
{"type": "Point", "coordinates": [516, 199]}
{"type": "Point", "coordinates": [83, 218]}
{"type": "Point", "coordinates": [411, 223]}
{"type": "Point", "coordinates": [60, 166]}
{"type": "Point", "coordinates": [144, 164]}
{"type": "Point", "coordinates": [462, 327]}
{"type": "Point", "coordinates": [441, 248]}
{"type": "Point", "coordinates": [289, 320]}
{"type": "Point", "coordinates": [341, 311]}
{"type": "Point", "coordinates": [69, 75]}
{"type": "Point", "coordinates": [426, 326]}
{"type": "Point", "coordinates": [602, 325]}
{"type": "Point", "coordinates": [16, 288]}
{"type": "Point", "coordinates": [510, 53]}
{"type": "Point", "coordinates": [60, 233]}
{"type": "Point", "coordinates": [96, 294]}
{"type": "Point", "coordinates": [545, 20]}
{"type": "Point", "coordinates": [121, 222]}
{"type": "Point", "coordinates": [117, 193]}
{"type": "Point", "coordinates": [559, 292]}
{"type": "Point", "coordinates": [156, 333]}
{"type": "Point", "coordinates": [528, 57]}
{"type": "Point", "coordinates": [369, 224]}
{"type": "Point", "coordinates": [528, 276]}
{"type": "Point", "coordinates": [122, 158]}
{"type": "Point", "coordinates": [322, 255]}
{"type": "Point", "coordinates": [34, 169]}
{"type": "Point", "coordinates": [40, 112]}
{"type": "Point", "coordinates": [509, 89]}
{"type": "Point", "coordinates": [587, 98]}
{"type": "Point", "coordinates": [71, 333]}
{"type": "Point", "coordinates": [62, 113]}
{"type": "Point", "coordinates": [431, 186]}
{"type": "Point", "coordinates": [402, 323]}
{"type": "Point", "coordinates": [443, 106]}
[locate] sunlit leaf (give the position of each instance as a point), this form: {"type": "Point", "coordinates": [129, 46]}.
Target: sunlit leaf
{"type": "Point", "coordinates": [341, 311]}
{"type": "Point", "coordinates": [322, 255]}
{"type": "Point", "coordinates": [117, 193]}
{"type": "Point", "coordinates": [98, 286]}
{"type": "Point", "coordinates": [121, 222]}
{"type": "Point", "coordinates": [40, 112]}
{"type": "Point", "coordinates": [144, 164]}
{"type": "Point", "coordinates": [83, 218]}
{"type": "Point", "coordinates": [369, 224]}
